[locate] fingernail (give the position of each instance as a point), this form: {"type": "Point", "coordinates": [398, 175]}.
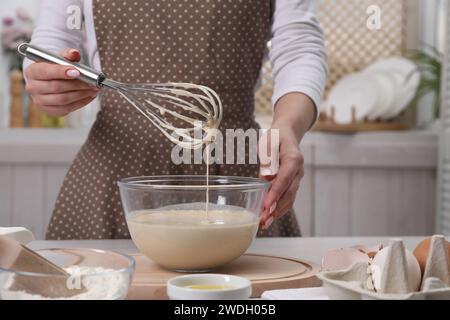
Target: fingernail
{"type": "Point", "coordinates": [73, 73]}
{"type": "Point", "coordinates": [268, 223]}
{"type": "Point", "coordinates": [72, 51]}
{"type": "Point", "coordinates": [274, 166]}
{"type": "Point", "coordinates": [272, 208]}
{"type": "Point", "coordinates": [265, 171]}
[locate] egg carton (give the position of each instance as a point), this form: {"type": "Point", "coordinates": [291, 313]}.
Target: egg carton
{"type": "Point", "coordinates": [357, 282]}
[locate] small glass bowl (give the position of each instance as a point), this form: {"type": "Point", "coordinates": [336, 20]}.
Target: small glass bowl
{"type": "Point", "coordinates": [209, 287]}
{"type": "Point", "coordinates": [105, 275]}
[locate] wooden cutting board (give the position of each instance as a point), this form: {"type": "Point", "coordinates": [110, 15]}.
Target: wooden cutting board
{"type": "Point", "coordinates": [265, 272]}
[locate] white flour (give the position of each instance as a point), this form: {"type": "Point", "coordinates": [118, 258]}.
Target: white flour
{"type": "Point", "coordinates": [111, 285]}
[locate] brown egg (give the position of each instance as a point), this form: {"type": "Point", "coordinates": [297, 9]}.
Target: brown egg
{"type": "Point", "coordinates": [421, 252]}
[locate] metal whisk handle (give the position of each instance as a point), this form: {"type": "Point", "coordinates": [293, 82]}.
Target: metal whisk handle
{"type": "Point", "coordinates": [88, 75]}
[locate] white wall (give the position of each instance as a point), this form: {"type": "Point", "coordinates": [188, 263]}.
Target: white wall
{"type": "Point", "coordinates": [432, 22]}
{"type": "Point", "coordinates": [7, 8]}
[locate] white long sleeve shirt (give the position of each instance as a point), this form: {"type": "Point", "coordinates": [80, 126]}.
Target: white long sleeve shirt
{"type": "Point", "coordinates": [297, 48]}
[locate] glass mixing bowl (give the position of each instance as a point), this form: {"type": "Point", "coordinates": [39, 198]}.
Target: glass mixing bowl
{"type": "Point", "coordinates": [106, 275]}
{"type": "Point", "coordinates": [171, 223]}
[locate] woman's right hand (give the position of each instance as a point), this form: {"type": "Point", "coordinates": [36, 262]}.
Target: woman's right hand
{"type": "Point", "coordinates": [55, 88]}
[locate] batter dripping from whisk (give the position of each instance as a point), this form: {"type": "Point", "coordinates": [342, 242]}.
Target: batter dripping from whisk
{"type": "Point", "coordinates": [212, 117]}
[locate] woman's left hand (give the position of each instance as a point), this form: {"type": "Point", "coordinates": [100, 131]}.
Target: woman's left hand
{"type": "Point", "coordinates": [293, 116]}
{"type": "Point", "coordinates": [285, 180]}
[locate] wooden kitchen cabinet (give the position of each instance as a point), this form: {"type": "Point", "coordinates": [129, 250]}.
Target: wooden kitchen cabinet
{"type": "Point", "coordinates": [371, 184]}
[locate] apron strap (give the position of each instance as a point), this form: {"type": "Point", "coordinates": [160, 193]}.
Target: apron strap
{"type": "Point", "coordinates": [272, 8]}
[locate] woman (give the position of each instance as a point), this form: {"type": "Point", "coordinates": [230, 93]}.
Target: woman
{"type": "Point", "coordinates": [216, 43]}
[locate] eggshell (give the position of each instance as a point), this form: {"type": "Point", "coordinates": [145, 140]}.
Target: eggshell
{"type": "Point", "coordinates": [344, 258]}
{"type": "Point", "coordinates": [413, 269]}
{"type": "Point", "coordinates": [370, 251]}
{"type": "Point", "coordinates": [421, 252]}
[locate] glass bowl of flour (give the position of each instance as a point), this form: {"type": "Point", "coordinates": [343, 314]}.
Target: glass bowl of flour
{"type": "Point", "coordinates": [192, 223]}
{"type": "Point", "coordinates": [103, 275]}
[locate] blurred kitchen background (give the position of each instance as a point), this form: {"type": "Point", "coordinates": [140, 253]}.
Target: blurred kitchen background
{"type": "Point", "coordinates": [376, 163]}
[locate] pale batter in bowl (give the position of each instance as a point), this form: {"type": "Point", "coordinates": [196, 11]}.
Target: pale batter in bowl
{"type": "Point", "coordinates": [193, 240]}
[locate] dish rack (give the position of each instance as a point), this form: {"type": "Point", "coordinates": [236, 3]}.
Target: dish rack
{"type": "Point", "coordinates": [351, 48]}
{"type": "Point", "coordinates": [326, 123]}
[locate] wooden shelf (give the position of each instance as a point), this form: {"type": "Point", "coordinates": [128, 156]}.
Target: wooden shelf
{"type": "Point", "coordinates": [359, 127]}
{"type": "Point", "coordinates": [327, 123]}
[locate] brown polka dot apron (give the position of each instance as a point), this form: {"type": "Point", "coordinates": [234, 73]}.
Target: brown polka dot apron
{"type": "Point", "coordinates": [217, 43]}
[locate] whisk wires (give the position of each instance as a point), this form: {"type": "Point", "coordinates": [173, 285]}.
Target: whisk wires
{"type": "Point", "coordinates": [197, 106]}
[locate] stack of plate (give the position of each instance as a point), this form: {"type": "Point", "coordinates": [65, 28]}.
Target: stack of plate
{"type": "Point", "coordinates": [381, 91]}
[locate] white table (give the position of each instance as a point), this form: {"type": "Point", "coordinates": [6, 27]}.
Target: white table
{"type": "Point", "coordinates": [311, 249]}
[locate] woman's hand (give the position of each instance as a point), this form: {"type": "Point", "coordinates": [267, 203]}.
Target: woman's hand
{"type": "Point", "coordinates": [55, 89]}
{"type": "Point", "coordinates": [285, 182]}
{"type": "Point", "coordinates": [294, 114]}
